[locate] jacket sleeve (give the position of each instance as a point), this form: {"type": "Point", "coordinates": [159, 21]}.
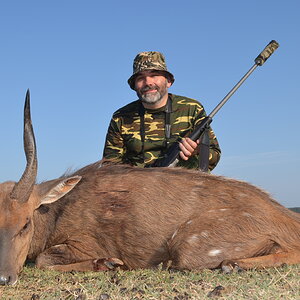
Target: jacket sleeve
{"type": "Point", "coordinates": [114, 144]}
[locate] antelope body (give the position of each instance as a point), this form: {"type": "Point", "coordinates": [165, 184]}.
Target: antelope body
{"type": "Point", "coordinates": [107, 216]}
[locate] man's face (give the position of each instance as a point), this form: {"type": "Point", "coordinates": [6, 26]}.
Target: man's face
{"type": "Point", "coordinates": [151, 87]}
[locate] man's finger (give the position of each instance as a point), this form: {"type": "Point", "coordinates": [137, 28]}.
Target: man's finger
{"type": "Point", "coordinates": [185, 149]}
{"type": "Point", "coordinates": [189, 144]}
{"type": "Point", "coordinates": [182, 156]}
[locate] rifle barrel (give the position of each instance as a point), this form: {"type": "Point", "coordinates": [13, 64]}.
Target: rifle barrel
{"type": "Point", "coordinates": [171, 158]}
{"type": "Point", "coordinates": [233, 90]}
{"type": "Point", "coordinates": [259, 61]}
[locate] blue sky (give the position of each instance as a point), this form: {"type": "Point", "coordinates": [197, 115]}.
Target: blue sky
{"type": "Point", "coordinates": [76, 57]}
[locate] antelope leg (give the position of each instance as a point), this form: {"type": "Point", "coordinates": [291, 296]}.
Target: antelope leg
{"type": "Point", "coordinates": [259, 262]}
{"type": "Point", "coordinates": [102, 264]}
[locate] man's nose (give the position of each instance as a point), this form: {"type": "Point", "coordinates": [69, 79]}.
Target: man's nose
{"type": "Point", "coordinates": [149, 80]}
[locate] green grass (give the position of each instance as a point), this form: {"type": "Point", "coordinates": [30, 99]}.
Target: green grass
{"type": "Point", "coordinates": [273, 283]}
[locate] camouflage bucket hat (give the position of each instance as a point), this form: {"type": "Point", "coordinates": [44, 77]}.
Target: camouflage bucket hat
{"type": "Point", "coordinates": [147, 61]}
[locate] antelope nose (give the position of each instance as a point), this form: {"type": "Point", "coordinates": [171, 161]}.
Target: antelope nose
{"type": "Point", "coordinates": [4, 280]}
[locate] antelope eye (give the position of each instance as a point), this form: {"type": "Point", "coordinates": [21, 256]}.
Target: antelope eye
{"type": "Point", "coordinates": [25, 227]}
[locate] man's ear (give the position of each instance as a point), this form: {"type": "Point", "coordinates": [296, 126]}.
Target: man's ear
{"type": "Point", "coordinates": [169, 82]}
{"type": "Point", "coordinates": [51, 191]}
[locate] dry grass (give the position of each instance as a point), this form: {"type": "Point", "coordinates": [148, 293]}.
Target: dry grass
{"type": "Point", "coordinates": [274, 283]}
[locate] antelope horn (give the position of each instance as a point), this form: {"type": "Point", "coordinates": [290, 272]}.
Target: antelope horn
{"type": "Point", "coordinates": [23, 188]}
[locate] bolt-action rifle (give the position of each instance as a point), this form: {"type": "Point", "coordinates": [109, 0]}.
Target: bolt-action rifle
{"type": "Point", "coordinates": [201, 131]}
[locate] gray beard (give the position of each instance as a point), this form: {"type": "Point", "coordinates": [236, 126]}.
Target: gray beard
{"type": "Point", "coordinates": [151, 98]}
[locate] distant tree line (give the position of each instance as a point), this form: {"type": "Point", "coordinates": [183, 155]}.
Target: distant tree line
{"type": "Point", "coordinates": [296, 209]}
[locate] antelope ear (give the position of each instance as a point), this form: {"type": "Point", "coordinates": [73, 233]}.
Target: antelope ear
{"type": "Point", "coordinates": [51, 191]}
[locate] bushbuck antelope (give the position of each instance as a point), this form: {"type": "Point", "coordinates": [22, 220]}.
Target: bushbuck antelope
{"type": "Point", "coordinates": [110, 216]}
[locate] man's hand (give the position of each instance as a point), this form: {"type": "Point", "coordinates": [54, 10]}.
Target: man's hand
{"type": "Point", "coordinates": [188, 148]}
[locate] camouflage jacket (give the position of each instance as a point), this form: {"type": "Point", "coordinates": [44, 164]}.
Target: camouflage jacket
{"type": "Point", "coordinates": [124, 143]}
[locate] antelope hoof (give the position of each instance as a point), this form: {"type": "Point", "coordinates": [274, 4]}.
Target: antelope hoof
{"type": "Point", "coordinates": [107, 264]}
{"type": "Point", "coordinates": [229, 267]}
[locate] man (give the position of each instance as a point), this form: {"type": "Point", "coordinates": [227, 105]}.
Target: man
{"type": "Point", "coordinates": [142, 131]}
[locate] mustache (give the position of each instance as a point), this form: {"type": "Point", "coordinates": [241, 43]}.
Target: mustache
{"type": "Point", "coordinates": [149, 87]}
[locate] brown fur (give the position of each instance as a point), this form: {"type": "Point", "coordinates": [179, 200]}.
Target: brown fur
{"type": "Point", "coordinates": [139, 218]}
{"type": "Point", "coordinates": [132, 214]}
